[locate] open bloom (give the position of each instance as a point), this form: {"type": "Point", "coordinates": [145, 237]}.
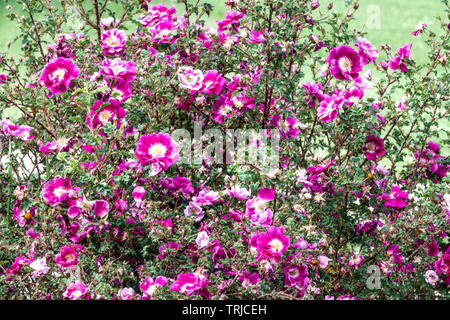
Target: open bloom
{"type": "Point", "coordinates": [58, 74]}
{"type": "Point", "coordinates": [374, 147]}
{"type": "Point", "coordinates": [24, 216]}
{"type": "Point", "coordinates": [296, 275]}
{"type": "Point", "coordinates": [429, 158]}
{"type": "Point", "coordinates": [402, 104]}
{"type": "Point", "coordinates": [57, 190]}
{"type": "Point", "coordinates": [163, 32]}
{"type": "Point", "coordinates": [102, 112]}
{"type": "Point", "coordinates": [190, 79]}
{"type": "Point", "coordinates": [189, 283]}
{"type": "Point", "coordinates": [157, 150]}
{"type": "Point", "coordinates": [22, 132]}
{"type": "Point", "coordinates": [287, 126]}
{"type": "Point", "coordinates": [100, 208]}
{"type": "Point", "coordinates": [120, 89]}
{"type": "Point", "coordinates": [232, 18]}
{"type": "Point", "coordinates": [238, 192]}
{"type": "Point", "coordinates": [67, 256]}
{"type": "Point", "coordinates": [256, 208]}
{"type": "Point", "coordinates": [113, 42]}
{"type": "Point", "coordinates": [315, 93]}
{"type": "Point", "coordinates": [177, 184]}
{"type": "Point", "coordinates": [345, 63]}
{"type": "Point", "coordinates": [75, 290]}
{"type": "Point", "coordinates": [396, 199]}
{"type": "Point", "coordinates": [195, 209]}
{"type": "Point", "coordinates": [119, 69]}
{"type": "Point", "coordinates": [329, 107]}
{"type": "Point", "coordinates": [271, 244]}
{"type": "Point", "coordinates": [156, 14]}
{"type": "Point", "coordinates": [213, 82]}
{"type": "Point", "coordinates": [206, 197]}
{"type": "Point", "coordinates": [60, 145]}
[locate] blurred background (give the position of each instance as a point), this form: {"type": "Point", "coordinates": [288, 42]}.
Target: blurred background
{"type": "Point", "coordinates": [386, 21]}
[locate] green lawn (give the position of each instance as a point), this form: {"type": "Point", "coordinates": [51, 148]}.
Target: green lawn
{"type": "Point", "coordinates": [386, 21]}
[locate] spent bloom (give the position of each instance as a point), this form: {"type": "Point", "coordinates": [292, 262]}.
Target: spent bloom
{"type": "Point", "coordinates": [202, 240]}
{"type": "Point", "coordinates": [431, 277]}
{"type": "Point", "coordinates": [420, 28]}
{"type": "Point", "coordinates": [399, 60]}
{"type": "Point", "coordinates": [40, 267]}
{"type": "Point", "coordinates": [367, 52]}
{"type": "Point", "coordinates": [126, 293]}
{"type": "Point", "coordinates": [256, 37]}
{"type": "Point", "coordinates": [149, 286]}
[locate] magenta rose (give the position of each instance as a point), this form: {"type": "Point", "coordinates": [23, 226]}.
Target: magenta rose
{"type": "Point", "coordinates": [102, 112]}
{"type": "Point", "coordinates": [374, 147]}
{"type": "Point", "coordinates": [345, 63]}
{"type": "Point", "coordinates": [157, 150]}
{"type": "Point", "coordinates": [58, 74]}
{"type": "Point", "coordinates": [113, 42]}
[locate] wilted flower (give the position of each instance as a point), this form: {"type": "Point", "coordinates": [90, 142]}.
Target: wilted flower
{"type": "Point", "coordinates": [149, 286]}
{"type": "Point", "coordinates": [398, 61]}
{"type": "Point", "coordinates": [75, 290]}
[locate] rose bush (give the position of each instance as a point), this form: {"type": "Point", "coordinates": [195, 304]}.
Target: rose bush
{"type": "Point", "coordinates": [96, 203]}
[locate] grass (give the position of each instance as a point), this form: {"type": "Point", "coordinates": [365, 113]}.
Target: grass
{"type": "Point", "coordinates": [386, 21]}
